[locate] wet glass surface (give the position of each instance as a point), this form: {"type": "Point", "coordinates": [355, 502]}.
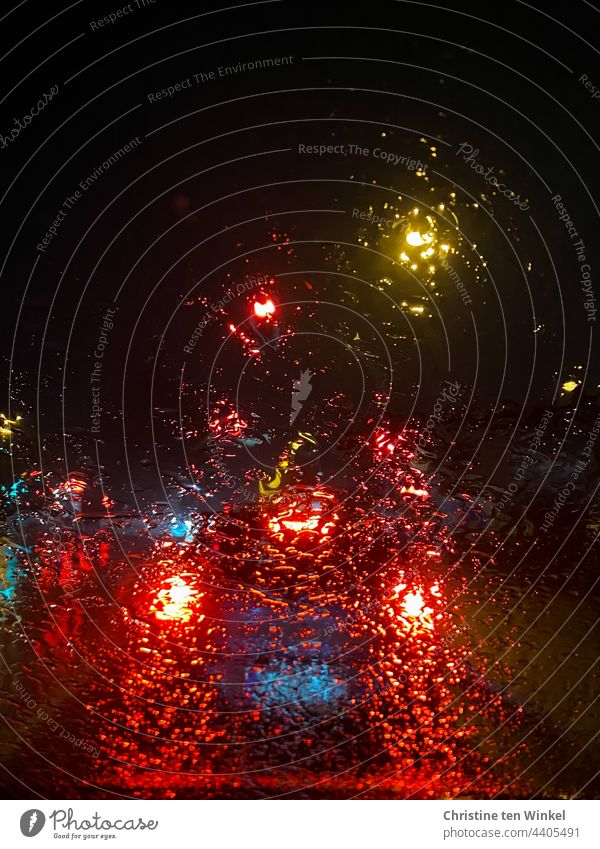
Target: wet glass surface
{"type": "Point", "coordinates": [395, 640]}
{"type": "Point", "coordinates": [299, 457]}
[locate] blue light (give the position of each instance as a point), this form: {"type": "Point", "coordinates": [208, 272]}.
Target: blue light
{"type": "Point", "coordinates": [283, 683]}
{"type": "Point", "coordinates": [181, 529]}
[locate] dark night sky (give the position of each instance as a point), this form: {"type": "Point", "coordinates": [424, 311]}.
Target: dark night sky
{"type": "Point", "coordinates": [217, 172]}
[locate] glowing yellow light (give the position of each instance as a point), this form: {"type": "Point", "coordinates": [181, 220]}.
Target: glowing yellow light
{"type": "Point", "coordinates": [422, 246]}
{"type": "Point", "coordinates": [415, 239]}
{"type": "Point", "coordinates": [5, 426]}
{"type": "Point", "coordinates": [417, 310]}
{"type": "Point", "coordinates": [268, 486]}
{"type": "Point", "coordinates": [570, 385]}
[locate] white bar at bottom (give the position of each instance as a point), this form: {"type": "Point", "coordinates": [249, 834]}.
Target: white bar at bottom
{"type": "Point", "coordinates": [302, 824]}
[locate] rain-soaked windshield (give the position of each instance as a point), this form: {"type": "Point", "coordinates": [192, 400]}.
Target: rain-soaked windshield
{"type": "Point", "coordinates": [299, 462]}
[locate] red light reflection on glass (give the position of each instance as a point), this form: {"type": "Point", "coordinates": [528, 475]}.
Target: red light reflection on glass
{"type": "Point", "coordinates": [176, 601]}
{"type": "Point", "coordinates": [264, 310]}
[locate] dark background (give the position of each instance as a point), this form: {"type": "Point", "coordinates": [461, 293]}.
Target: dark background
{"type": "Point", "coordinates": [215, 194]}
{"type": "Point", "coordinates": [438, 71]}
